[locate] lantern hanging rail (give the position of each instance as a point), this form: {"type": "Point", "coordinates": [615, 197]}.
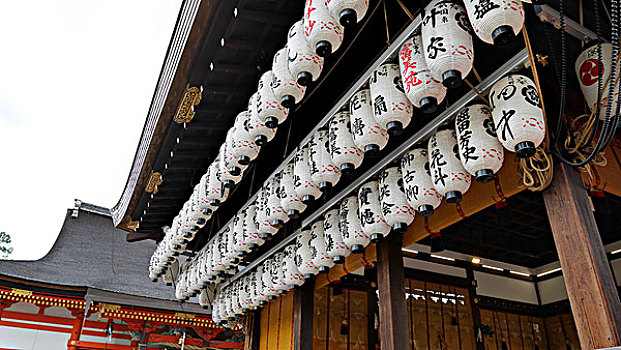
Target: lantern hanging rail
{"type": "Point", "coordinates": [425, 132]}
{"type": "Point", "coordinates": [549, 15]}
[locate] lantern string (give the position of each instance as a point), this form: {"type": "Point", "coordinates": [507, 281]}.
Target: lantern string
{"type": "Point", "coordinates": [386, 21]}
{"type": "Point", "coordinates": [406, 10]}
{"type": "Point", "coordinates": [476, 74]}
{"type": "Point", "coordinates": [476, 91]}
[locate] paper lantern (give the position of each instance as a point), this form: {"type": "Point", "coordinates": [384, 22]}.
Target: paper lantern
{"type": "Point", "coordinates": [306, 189]}
{"type": "Point", "coordinates": [215, 192]}
{"type": "Point", "coordinates": [200, 194]}
{"type": "Point", "coordinates": [318, 240]}
{"type": "Point", "coordinates": [227, 178]}
{"type": "Point", "coordinates": [336, 249]}
{"type": "Point", "coordinates": [208, 272]}
{"type": "Point", "coordinates": [275, 212]}
{"type": "Point", "coordinates": [260, 133]}
{"type": "Point", "coordinates": [284, 85]}
{"type": "Point", "coordinates": [217, 264]}
{"type": "Point", "coordinates": [322, 32]}
{"type": "Point", "coordinates": [231, 161]}
{"type": "Point", "coordinates": [305, 253]}
{"type": "Point", "coordinates": [349, 224]}
{"type": "Point", "coordinates": [517, 114]}
{"type": "Point", "coordinates": [258, 278]}
{"type": "Point", "coordinates": [496, 22]}
{"type": "Point", "coordinates": [252, 236]}
{"type": "Point", "coordinates": [343, 151]}
{"type": "Point", "coordinates": [269, 109]}
{"type": "Point", "coordinates": [391, 107]}
{"type": "Point", "coordinates": [290, 201]}
{"type": "Point", "coordinates": [447, 44]}
{"type": "Point", "coordinates": [395, 208]}
{"type": "Point", "coordinates": [268, 288]}
{"type": "Point", "coordinates": [278, 273]}
{"type": "Point", "coordinates": [236, 290]}
{"type": "Point", "coordinates": [349, 12]}
{"type": "Point", "coordinates": [480, 152]}
{"type": "Point", "coordinates": [449, 177]}
{"type": "Point", "coordinates": [588, 72]}
{"type": "Point", "coordinates": [244, 149]}
{"type": "Point", "coordinates": [304, 64]}
{"type": "Point", "coordinates": [206, 298]}
{"type": "Point", "coordinates": [420, 87]}
{"type": "Point", "coordinates": [266, 230]}
{"type": "Point", "coordinates": [244, 293]}
{"type": "Point", "coordinates": [253, 295]}
{"type": "Point", "coordinates": [240, 244]}
{"type": "Point", "coordinates": [368, 135]}
{"type": "Point", "coordinates": [291, 276]}
{"type": "Point", "coordinates": [417, 182]}
{"type": "Point", "coordinates": [323, 172]}
{"type": "Point", "coordinates": [230, 253]}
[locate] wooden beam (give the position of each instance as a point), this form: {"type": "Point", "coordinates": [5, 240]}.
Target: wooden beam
{"type": "Point", "coordinates": [252, 330]}
{"type": "Point", "coordinates": [391, 286]}
{"type": "Point", "coordinates": [593, 297]}
{"type": "Point", "coordinates": [303, 316]}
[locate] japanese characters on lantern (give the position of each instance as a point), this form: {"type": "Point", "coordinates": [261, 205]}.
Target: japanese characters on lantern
{"type": "Point", "coordinates": [391, 107]}
{"type": "Point", "coordinates": [367, 133]}
{"type": "Point", "coordinates": [372, 220]}
{"type": "Point", "coordinates": [290, 201]}
{"type": "Point", "coordinates": [343, 151]}
{"type": "Point", "coordinates": [322, 32]}
{"type": "Point", "coordinates": [395, 208]}
{"type": "Point", "coordinates": [305, 254]}
{"type": "Point", "coordinates": [349, 224]}
{"type": "Point", "coordinates": [318, 240]}
{"type": "Point", "coordinates": [417, 183]}
{"type": "Point", "coordinates": [336, 249]}
{"type": "Point", "coordinates": [304, 64]}
{"type": "Point", "coordinates": [323, 172]}
{"type": "Point", "coordinates": [269, 109]}
{"type": "Point", "coordinates": [284, 85]}
{"type": "Point", "coordinates": [348, 12]}
{"type": "Point", "coordinates": [306, 189]}
{"type": "Point", "coordinates": [450, 178]}
{"type": "Point", "coordinates": [496, 22]}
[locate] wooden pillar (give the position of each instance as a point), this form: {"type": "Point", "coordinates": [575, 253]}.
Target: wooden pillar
{"type": "Point", "coordinates": [593, 297]}
{"type": "Point", "coordinates": [303, 312]}
{"type": "Point", "coordinates": [78, 323]}
{"type": "Point", "coordinates": [372, 309]}
{"type": "Point", "coordinates": [252, 330]}
{"type": "Point", "coordinates": [474, 305]}
{"type": "Point", "coordinates": [391, 286]}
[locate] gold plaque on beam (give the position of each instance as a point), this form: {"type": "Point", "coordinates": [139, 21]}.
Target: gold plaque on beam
{"type": "Point", "coordinates": [185, 111]}
{"type": "Point", "coordinates": [154, 181]}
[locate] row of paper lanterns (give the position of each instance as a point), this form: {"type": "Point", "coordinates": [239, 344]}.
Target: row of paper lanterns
{"type": "Point", "coordinates": [385, 107]}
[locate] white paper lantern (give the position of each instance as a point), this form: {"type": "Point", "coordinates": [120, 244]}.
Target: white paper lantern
{"type": "Point", "coordinates": [260, 133]}
{"type": "Point", "coordinates": [231, 255]}
{"type": "Point", "coordinates": [336, 249]}
{"type": "Point", "coordinates": [391, 107]}
{"type": "Point", "coordinates": [253, 296]}
{"type": "Point", "coordinates": [227, 178]}
{"type": "Point", "coordinates": [447, 43]}
{"type": "Point", "coordinates": [517, 114]}
{"type": "Point", "coordinates": [231, 161]}
{"type": "Point", "coordinates": [261, 297]}
{"type": "Point", "coordinates": [290, 201]}
{"type": "Point", "coordinates": [275, 212]}
{"type": "Point", "coordinates": [205, 299]}
{"type": "Point", "coordinates": [285, 86]}
{"type": "Point", "coordinates": [372, 220]}
{"type": "Point", "coordinates": [269, 292]}
{"type": "Point", "coordinates": [349, 224]}
{"type": "Point", "coordinates": [291, 276]}
{"type": "Point", "coordinates": [305, 253]}
{"type": "Point", "coordinates": [420, 87]}
{"type": "Point", "coordinates": [417, 182]}
{"type": "Point", "coordinates": [343, 151]}
{"type": "Point", "coordinates": [368, 135]}
{"type": "Point", "coordinates": [245, 294]}
{"type": "Point", "coordinates": [217, 262]}
{"type": "Point", "coordinates": [252, 236]}
{"type": "Point", "coordinates": [269, 109]}
{"type": "Point", "coordinates": [323, 172]}
{"type": "Point", "coordinates": [244, 149]}
{"type": "Point", "coordinates": [349, 12]}
{"type": "Point", "coordinates": [304, 64]}
{"type": "Point", "coordinates": [278, 273]}
{"type": "Point", "coordinates": [588, 71]}
{"type": "Point", "coordinates": [318, 240]}
{"type": "Point", "coordinates": [240, 246]}
{"type": "Point", "coordinates": [266, 230]}
{"type": "Point", "coordinates": [209, 275]}
{"type": "Point", "coordinates": [215, 192]}
{"type": "Point", "coordinates": [236, 290]}
{"type": "Point", "coordinates": [450, 178]}
{"type": "Point", "coordinates": [480, 152]}
{"type": "Point", "coordinates": [324, 34]}
{"type": "Point", "coordinates": [496, 22]}
{"type": "Point", "coordinates": [395, 208]}
{"type": "Point", "coordinates": [306, 189]}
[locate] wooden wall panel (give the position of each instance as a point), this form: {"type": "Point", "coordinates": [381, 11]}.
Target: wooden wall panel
{"type": "Point", "coordinates": [277, 323]}
{"type": "Point", "coordinates": [341, 319]}
{"type": "Point", "coordinates": [517, 331]}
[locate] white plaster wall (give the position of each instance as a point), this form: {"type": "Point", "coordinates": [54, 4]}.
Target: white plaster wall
{"type": "Point", "coordinates": [552, 290]}
{"type": "Point", "coordinates": [30, 339]}
{"type": "Point", "coordinates": [505, 288]}
{"type": "Point", "coordinates": [436, 268]}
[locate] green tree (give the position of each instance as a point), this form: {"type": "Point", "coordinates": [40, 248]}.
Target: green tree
{"type": "Point", "coordinates": [5, 245]}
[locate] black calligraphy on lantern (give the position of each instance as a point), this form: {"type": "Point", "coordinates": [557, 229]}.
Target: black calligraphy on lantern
{"type": "Point", "coordinates": [379, 105]}
{"type": "Point", "coordinates": [436, 164]}
{"type": "Point", "coordinates": [435, 46]}
{"type": "Point", "coordinates": [465, 134]}
{"type": "Point", "coordinates": [503, 124]}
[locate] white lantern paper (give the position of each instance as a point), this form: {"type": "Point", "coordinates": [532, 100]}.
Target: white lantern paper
{"type": "Point", "coordinates": [260, 133]}
{"type": "Point", "coordinates": [205, 298]}
{"type": "Point", "coordinates": [480, 152]}
{"type": "Point", "coordinates": [235, 302]}
{"type": "Point", "coordinates": [245, 294]}
{"type": "Point", "coordinates": [240, 246]}
{"type": "Point", "coordinates": [244, 149]}
{"type": "Point", "coordinates": [318, 240]}
{"type": "Point", "coordinates": [217, 264]}
{"type": "Point", "coordinates": [344, 153]}
{"type": "Point", "coordinates": [420, 87]}
{"type": "Point", "coordinates": [261, 297]}
{"type": "Point", "coordinates": [231, 161]}
{"type": "Point", "coordinates": [517, 114]}
{"type": "Point", "coordinates": [323, 172]}
{"type": "Point", "coordinates": [391, 107]}
{"type": "Point", "coordinates": [450, 178]}
{"type": "Point", "coordinates": [290, 201]}
{"type": "Point", "coordinates": [252, 235]}
{"type": "Point", "coordinates": [269, 109]}
{"type": "Point", "coordinates": [323, 33]}
{"type": "Point", "coordinates": [253, 296]}
{"type": "Point", "coordinates": [278, 273]}
{"type": "Point", "coordinates": [349, 224]}
{"type": "Point", "coordinates": [263, 223]}
{"type": "Point", "coordinates": [291, 276]}
{"type": "Point", "coordinates": [336, 249]}
{"type": "Point", "coordinates": [447, 43]}
{"type": "Point", "coordinates": [496, 22]}
{"type": "Point", "coordinates": [275, 212]}
{"type": "Point", "coordinates": [304, 64]}
{"type": "Point", "coordinates": [269, 292]}
{"type": "Point", "coordinates": [349, 12]}
{"type": "Point", "coordinates": [395, 208]}
{"type": "Point", "coordinates": [417, 182]}
{"type": "Point", "coordinates": [285, 86]}
{"type": "Point", "coordinates": [372, 220]}
{"type": "Point", "coordinates": [587, 70]}
{"type": "Point", "coordinates": [305, 254]}
{"type": "Point", "coordinates": [306, 189]}
{"type": "Point", "coordinates": [228, 178]}
{"type": "Point", "coordinates": [230, 254]}
{"type": "Point", "coordinates": [215, 192]}
{"type": "Point", "coordinates": [368, 135]}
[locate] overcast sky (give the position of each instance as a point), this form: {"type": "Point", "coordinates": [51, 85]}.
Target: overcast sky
{"type": "Point", "coordinates": [76, 81]}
